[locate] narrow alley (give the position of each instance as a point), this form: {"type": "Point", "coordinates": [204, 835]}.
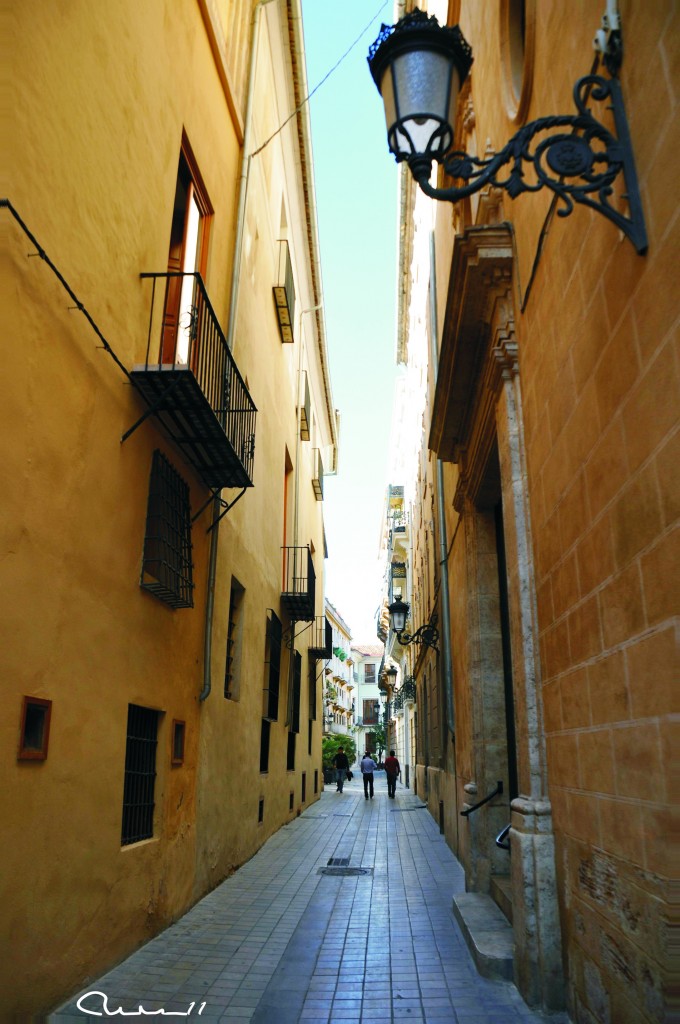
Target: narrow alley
{"type": "Point", "coordinates": [343, 916]}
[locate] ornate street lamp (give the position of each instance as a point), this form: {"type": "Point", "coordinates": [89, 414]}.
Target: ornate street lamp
{"type": "Point", "coordinates": [392, 674]}
{"type": "Point", "coordinates": [419, 66]}
{"type": "Point", "coordinates": [428, 634]}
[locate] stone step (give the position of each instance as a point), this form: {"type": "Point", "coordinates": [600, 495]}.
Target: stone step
{"type": "Point", "coordinates": [501, 893]}
{"type": "Point", "coordinates": [488, 934]}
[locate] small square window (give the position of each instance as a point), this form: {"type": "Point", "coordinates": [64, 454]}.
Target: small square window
{"type": "Point", "coordinates": [35, 729]}
{"type": "Point", "coordinates": [178, 730]}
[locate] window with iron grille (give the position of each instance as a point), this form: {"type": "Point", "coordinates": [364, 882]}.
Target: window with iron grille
{"type": "Point", "coordinates": [312, 690]}
{"type": "Point", "coordinates": [166, 567]}
{"type": "Point", "coordinates": [369, 673]}
{"type": "Point", "coordinates": [140, 774]}
{"type": "Point", "coordinates": [290, 754]}
{"type": "Point", "coordinates": [294, 694]}
{"type": "Point", "coordinates": [265, 734]}
{"type": "Point", "coordinates": [232, 675]}
{"type": "Point", "coordinates": [272, 667]}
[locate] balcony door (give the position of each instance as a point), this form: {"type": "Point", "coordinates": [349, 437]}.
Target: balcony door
{"type": "Point", "coordinates": [188, 254]}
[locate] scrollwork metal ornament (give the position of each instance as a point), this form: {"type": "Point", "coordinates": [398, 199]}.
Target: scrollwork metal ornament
{"type": "Point", "coordinates": [578, 168]}
{"type": "Point", "coordinates": [428, 635]}
{"type": "Point", "coordinates": [574, 155]}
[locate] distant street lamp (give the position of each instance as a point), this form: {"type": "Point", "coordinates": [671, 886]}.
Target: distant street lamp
{"type": "Point", "coordinates": [419, 66]}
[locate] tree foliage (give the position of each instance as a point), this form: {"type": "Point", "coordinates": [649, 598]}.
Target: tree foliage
{"type": "Point", "coordinates": [330, 744]}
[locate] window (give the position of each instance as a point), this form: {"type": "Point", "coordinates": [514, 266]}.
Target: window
{"type": "Point", "coordinates": [309, 737]}
{"type": "Point", "coordinates": [178, 729]}
{"type": "Point", "coordinates": [290, 754]}
{"type": "Point", "coordinates": [369, 674]}
{"type": "Point", "coordinates": [291, 801]}
{"type": "Point", "coordinates": [166, 566]}
{"type": "Point", "coordinates": [303, 796]}
{"type": "Point", "coordinates": [34, 733]}
{"type": "Point", "coordinates": [232, 674]}
{"type": "Point", "coordinates": [140, 774]}
{"type": "Point", "coordinates": [294, 694]}
{"type": "Point", "coordinates": [312, 689]}
{"type": "Point", "coordinates": [371, 712]}
{"type": "Point", "coordinates": [265, 734]}
{"type": "Point", "coordinates": [260, 811]}
{"type": "Point", "coordinates": [316, 780]}
{"type": "Point", "coordinates": [517, 54]}
{"type": "Point", "coordinates": [272, 667]}
{"type": "Point", "coordinates": [188, 255]}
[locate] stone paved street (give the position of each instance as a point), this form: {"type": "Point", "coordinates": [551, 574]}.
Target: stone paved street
{"type": "Point", "coordinates": [280, 942]}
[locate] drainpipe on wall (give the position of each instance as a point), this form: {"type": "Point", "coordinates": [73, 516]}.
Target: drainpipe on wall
{"type": "Point", "coordinates": [231, 326]}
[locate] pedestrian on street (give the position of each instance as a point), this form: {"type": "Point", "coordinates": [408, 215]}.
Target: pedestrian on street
{"type": "Point", "coordinates": [392, 770]}
{"type": "Point", "coordinates": [341, 765]}
{"type": "Point", "coordinates": [368, 766]}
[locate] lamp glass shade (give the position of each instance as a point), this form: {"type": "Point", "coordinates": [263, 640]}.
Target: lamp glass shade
{"type": "Point", "coordinates": [398, 611]}
{"type": "Point", "coordinates": [420, 90]}
{"type": "Point", "coordinates": [418, 66]}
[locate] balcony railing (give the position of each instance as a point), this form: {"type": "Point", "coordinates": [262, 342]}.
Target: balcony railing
{"type": "Point", "coordinates": [405, 693]}
{"type": "Point", "coordinates": [299, 583]}
{"type": "Point", "coordinates": [193, 385]}
{"type": "Point", "coordinates": [321, 641]}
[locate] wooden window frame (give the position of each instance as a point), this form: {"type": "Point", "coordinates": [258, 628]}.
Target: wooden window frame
{"type": "Point", "coordinates": [34, 753]}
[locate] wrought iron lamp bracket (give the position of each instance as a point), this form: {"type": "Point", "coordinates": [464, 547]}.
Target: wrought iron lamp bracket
{"type": "Point", "coordinates": [579, 166]}
{"type": "Point", "coordinates": [428, 635]}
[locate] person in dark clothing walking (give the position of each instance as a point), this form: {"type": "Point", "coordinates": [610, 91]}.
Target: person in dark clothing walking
{"type": "Point", "coordinates": [392, 770]}
{"type": "Point", "coordinates": [368, 766]}
{"type": "Point", "coordinates": [341, 765]}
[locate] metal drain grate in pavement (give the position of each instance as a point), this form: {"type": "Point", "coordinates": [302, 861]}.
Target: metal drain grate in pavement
{"type": "Point", "coordinates": [338, 862]}
{"type": "Point", "coordinates": [344, 872]}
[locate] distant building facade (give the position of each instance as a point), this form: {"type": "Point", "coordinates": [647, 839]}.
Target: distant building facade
{"type": "Point", "coordinates": [338, 682]}
{"type": "Point", "coordinates": [367, 660]}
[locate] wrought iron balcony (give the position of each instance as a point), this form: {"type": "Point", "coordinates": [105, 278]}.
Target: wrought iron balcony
{"type": "Point", "coordinates": [321, 643]}
{"type": "Point", "coordinates": [193, 385]}
{"type": "Point", "coordinates": [299, 583]}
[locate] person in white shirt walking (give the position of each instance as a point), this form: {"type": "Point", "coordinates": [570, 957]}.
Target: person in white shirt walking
{"type": "Point", "coordinates": [368, 766]}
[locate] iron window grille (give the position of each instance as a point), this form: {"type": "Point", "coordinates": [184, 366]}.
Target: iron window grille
{"type": "Point", "coordinates": [167, 566]}
{"type": "Point", "coordinates": [140, 774]}
{"type": "Point", "coordinates": [313, 686]}
{"type": "Point", "coordinates": [272, 677]}
{"type": "Point", "coordinates": [232, 664]}
{"type": "Point", "coordinates": [265, 735]}
{"type": "Point", "coordinates": [295, 691]}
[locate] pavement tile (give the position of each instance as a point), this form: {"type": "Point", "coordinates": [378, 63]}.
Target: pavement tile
{"type": "Point", "coordinates": [277, 943]}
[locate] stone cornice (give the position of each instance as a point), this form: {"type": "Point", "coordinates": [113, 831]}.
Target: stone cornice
{"type": "Point", "coordinates": [481, 274]}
